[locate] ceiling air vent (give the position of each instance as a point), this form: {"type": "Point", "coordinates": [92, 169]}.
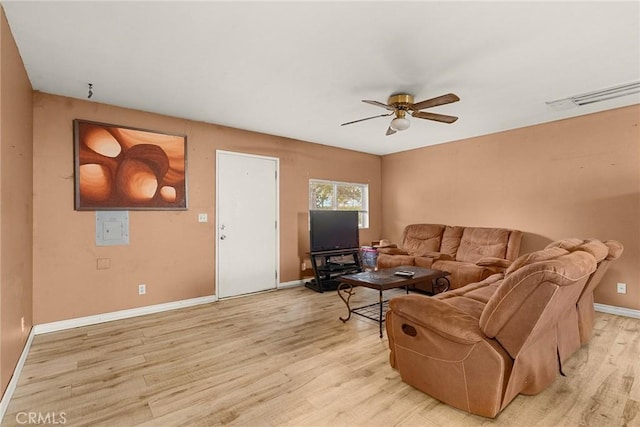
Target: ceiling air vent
{"type": "Point", "coordinates": [595, 96]}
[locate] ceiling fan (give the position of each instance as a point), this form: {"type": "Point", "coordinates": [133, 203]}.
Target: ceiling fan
{"type": "Point", "coordinates": [402, 103]}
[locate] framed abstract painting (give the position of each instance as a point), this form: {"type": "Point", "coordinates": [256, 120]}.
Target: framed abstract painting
{"type": "Point", "coordinates": [124, 168]}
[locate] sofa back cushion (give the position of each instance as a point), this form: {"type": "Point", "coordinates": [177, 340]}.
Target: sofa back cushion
{"type": "Point", "coordinates": [420, 239]}
{"type": "Point", "coordinates": [451, 240]}
{"type": "Point", "coordinates": [477, 242]}
{"type": "Point", "coordinates": [537, 256]}
{"type": "Point", "coordinates": [595, 247]}
{"type": "Point", "coordinates": [513, 246]}
{"type": "Point", "coordinates": [615, 249]}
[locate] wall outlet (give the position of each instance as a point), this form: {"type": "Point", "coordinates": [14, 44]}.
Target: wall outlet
{"type": "Point", "coordinates": [622, 288]}
{"type": "Point", "coordinates": [202, 217]}
{"type": "Point", "coordinates": [142, 289]}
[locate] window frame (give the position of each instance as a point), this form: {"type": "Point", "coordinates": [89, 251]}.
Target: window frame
{"type": "Point", "coordinates": [334, 199]}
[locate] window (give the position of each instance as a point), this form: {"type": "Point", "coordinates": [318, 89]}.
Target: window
{"type": "Point", "coordinates": [342, 196]}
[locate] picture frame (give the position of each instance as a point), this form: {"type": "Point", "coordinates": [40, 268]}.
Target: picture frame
{"type": "Point", "coordinates": [125, 168]}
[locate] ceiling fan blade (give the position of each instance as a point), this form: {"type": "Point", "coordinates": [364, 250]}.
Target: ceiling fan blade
{"type": "Point", "coordinates": [368, 118]}
{"type": "Point", "coordinates": [433, 116]}
{"type": "Point", "coordinates": [379, 104]}
{"type": "Point", "coordinates": [433, 102]}
{"type": "Point", "coordinates": [390, 131]}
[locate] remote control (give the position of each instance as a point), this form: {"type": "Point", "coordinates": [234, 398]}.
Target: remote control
{"type": "Point", "coordinates": [404, 273]}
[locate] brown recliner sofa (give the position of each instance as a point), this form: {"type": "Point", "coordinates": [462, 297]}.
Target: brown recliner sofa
{"type": "Point", "coordinates": [470, 254]}
{"type": "Point", "coordinates": [476, 348]}
{"type": "Point", "coordinates": [585, 307]}
{"type": "Point", "coordinates": [576, 326]}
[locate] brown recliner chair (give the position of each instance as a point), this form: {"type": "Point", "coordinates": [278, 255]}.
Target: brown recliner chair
{"type": "Point", "coordinates": [585, 302]}
{"type": "Point", "coordinates": [576, 327]}
{"type": "Point", "coordinates": [478, 347]}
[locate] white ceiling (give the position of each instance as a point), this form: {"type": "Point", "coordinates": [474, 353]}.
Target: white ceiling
{"type": "Point", "coordinates": [300, 69]}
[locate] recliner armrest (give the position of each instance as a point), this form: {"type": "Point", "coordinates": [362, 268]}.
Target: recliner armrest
{"type": "Point", "coordinates": [435, 255]}
{"type": "Point", "coordinates": [444, 319]}
{"type": "Point", "coordinates": [490, 261]}
{"type": "Point", "coordinates": [392, 250]}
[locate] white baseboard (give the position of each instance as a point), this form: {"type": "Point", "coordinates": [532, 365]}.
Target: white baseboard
{"type": "Point", "coordinates": [618, 311]}
{"type": "Point", "coordinates": [11, 387]}
{"type": "Point", "coordinates": [140, 311]}
{"type": "Point", "coordinates": [118, 315]}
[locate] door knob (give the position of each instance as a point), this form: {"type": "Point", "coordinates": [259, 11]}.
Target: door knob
{"type": "Point", "coordinates": [223, 237]}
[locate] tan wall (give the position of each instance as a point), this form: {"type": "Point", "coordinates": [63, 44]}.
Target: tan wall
{"type": "Point", "coordinates": [578, 177]}
{"type": "Point", "coordinates": [16, 172]}
{"type": "Point", "coordinates": [169, 251]}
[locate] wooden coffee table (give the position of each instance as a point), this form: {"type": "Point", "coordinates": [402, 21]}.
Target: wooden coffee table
{"type": "Point", "coordinates": [383, 280]}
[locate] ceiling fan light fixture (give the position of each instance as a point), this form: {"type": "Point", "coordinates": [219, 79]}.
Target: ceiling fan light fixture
{"type": "Point", "coordinates": [402, 104]}
{"type": "Point", "coordinates": [400, 123]}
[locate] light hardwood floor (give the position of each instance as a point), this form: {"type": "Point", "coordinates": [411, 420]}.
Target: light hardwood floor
{"type": "Point", "coordinates": [284, 359]}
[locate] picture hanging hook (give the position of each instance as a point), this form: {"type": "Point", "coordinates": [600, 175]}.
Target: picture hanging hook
{"type": "Point", "coordinates": [90, 91]}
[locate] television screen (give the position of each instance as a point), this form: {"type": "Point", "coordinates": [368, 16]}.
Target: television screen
{"type": "Point", "coordinates": [331, 230]}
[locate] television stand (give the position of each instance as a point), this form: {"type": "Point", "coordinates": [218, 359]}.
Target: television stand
{"type": "Point", "coordinates": [328, 266]}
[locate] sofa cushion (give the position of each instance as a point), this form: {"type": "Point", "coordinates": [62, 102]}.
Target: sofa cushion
{"type": "Point", "coordinates": [537, 256]}
{"type": "Point", "coordinates": [391, 251]}
{"type": "Point", "coordinates": [451, 240]}
{"type": "Point", "coordinates": [423, 261]}
{"type": "Point", "coordinates": [491, 261]}
{"type": "Point", "coordinates": [421, 239]}
{"type": "Point", "coordinates": [593, 246]}
{"type": "Point", "coordinates": [615, 249]}
{"type": "Point", "coordinates": [478, 242]}
{"type": "Point", "coordinates": [490, 282]}
{"type": "Point", "coordinates": [388, 261]}
{"type": "Point", "coordinates": [472, 298]}
{"type": "Point", "coordinates": [462, 273]}
{"type": "Point", "coordinates": [468, 306]}
{"type": "Point", "coordinates": [596, 248]}
{"type": "Point", "coordinates": [568, 244]}
{"type": "Point", "coordinates": [436, 255]}
{"type": "Point", "coordinates": [483, 294]}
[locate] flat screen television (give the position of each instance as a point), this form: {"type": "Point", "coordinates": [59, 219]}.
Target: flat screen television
{"type": "Point", "coordinates": [333, 230]}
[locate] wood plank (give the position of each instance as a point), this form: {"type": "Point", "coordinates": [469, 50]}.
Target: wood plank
{"type": "Point", "coordinates": [284, 359]}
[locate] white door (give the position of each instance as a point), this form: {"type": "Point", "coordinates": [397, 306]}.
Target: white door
{"type": "Point", "coordinates": [246, 223]}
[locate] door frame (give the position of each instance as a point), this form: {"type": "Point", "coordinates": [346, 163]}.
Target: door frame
{"type": "Point", "coordinates": [217, 219]}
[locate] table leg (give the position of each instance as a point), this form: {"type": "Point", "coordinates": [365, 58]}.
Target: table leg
{"type": "Point", "coordinates": [380, 320]}
{"type": "Point", "coordinates": [343, 288]}
{"type": "Point", "coordinates": [441, 284]}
